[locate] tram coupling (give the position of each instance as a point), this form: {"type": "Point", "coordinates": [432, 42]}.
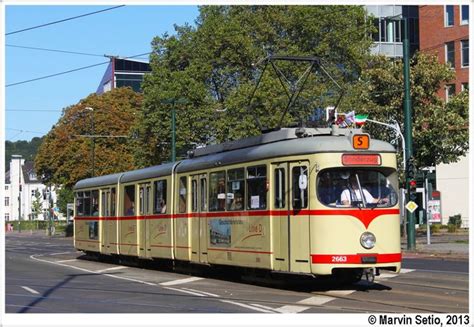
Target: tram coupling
{"type": "Point", "coordinates": [370, 274]}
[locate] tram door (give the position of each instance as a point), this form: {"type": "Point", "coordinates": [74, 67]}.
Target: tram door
{"type": "Point", "coordinates": [144, 210]}
{"type": "Point", "coordinates": [299, 187]}
{"type": "Point", "coordinates": [200, 230]}
{"type": "Point", "coordinates": [106, 222]}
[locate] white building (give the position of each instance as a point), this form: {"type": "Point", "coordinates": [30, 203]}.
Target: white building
{"type": "Point", "coordinates": [452, 180]}
{"type": "Point", "coordinates": [22, 183]}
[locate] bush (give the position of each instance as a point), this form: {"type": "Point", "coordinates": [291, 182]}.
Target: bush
{"type": "Point", "coordinates": [435, 228]}
{"type": "Point", "coordinates": [455, 220]}
{"type": "Point", "coordinates": [452, 228]}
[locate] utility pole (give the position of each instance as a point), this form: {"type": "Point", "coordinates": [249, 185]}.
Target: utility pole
{"type": "Point", "coordinates": [411, 243]}
{"type": "Point", "coordinates": [93, 140]}
{"type": "Point", "coordinates": [173, 132]}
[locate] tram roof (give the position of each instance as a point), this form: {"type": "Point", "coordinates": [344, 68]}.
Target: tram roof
{"type": "Point", "coordinates": [283, 143]}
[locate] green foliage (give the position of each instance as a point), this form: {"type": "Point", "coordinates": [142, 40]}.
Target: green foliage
{"type": "Point", "coordinates": [65, 155]}
{"type": "Point", "coordinates": [455, 220]}
{"type": "Point", "coordinates": [452, 228]}
{"type": "Point", "coordinates": [435, 228]}
{"type": "Point", "coordinates": [440, 130]}
{"type": "Point", "coordinates": [37, 205]}
{"type": "Point", "coordinates": [65, 196]}
{"type": "Point", "coordinates": [27, 149]}
{"type": "Point", "coordinates": [208, 72]}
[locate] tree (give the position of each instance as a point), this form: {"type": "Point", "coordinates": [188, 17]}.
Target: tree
{"type": "Point", "coordinates": [65, 196]}
{"type": "Point", "coordinates": [37, 205]}
{"type": "Point", "coordinates": [27, 149]}
{"type": "Point", "coordinates": [65, 154]}
{"type": "Point", "coordinates": [211, 66]}
{"type": "Point", "coordinates": [440, 129]}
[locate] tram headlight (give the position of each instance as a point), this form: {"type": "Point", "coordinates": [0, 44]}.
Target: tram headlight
{"type": "Point", "coordinates": [367, 240]}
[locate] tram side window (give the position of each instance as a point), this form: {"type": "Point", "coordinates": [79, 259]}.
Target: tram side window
{"type": "Point", "coordinates": [280, 188]}
{"type": "Point", "coordinates": [129, 200]}
{"type": "Point", "coordinates": [217, 191]}
{"type": "Point", "coordinates": [87, 203]}
{"type": "Point", "coordinates": [194, 195]}
{"type": "Point", "coordinates": [113, 201]}
{"type": "Point", "coordinates": [94, 203]}
{"type": "Point", "coordinates": [235, 189]}
{"type": "Point", "coordinates": [257, 187]}
{"type": "Point", "coordinates": [160, 197]}
{"type": "Point", "coordinates": [79, 204]}
{"type": "Point", "coordinates": [182, 194]}
{"type": "Point", "coordinates": [203, 194]}
{"type": "Point", "coordinates": [105, 203]}
{"type": "Point", "coordinates": [300, 195]}
{"type": "Point", "coordinates": [144, 194]}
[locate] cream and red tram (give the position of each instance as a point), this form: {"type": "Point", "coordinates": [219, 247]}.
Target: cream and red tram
{"type": "Point", "coordinates": [313, 201]}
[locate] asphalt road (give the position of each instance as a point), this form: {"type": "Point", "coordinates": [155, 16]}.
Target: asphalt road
{"type": "Point", "coordinates": [46, 275]}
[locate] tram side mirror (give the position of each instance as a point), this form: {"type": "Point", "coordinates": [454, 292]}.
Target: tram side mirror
{"type": "Point", "coordinates": [303, 182]}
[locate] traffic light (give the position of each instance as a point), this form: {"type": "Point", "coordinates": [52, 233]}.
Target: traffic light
{"type": "Point", "coordinates": [412, 190]}
{"type": "Point", "coordinates": [411, 169]}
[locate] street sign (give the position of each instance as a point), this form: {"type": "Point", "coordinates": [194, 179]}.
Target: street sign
{"type": "Point", "coordinates": [411, 206]}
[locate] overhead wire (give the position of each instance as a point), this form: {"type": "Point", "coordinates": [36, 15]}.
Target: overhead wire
{"type": "Point", "coordinates": [53, 50]}
{"type": "Point", "coordinates": [62, 20]}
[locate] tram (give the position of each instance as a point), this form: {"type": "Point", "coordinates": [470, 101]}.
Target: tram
{"type": "Point", "coordinates": [297, 201]}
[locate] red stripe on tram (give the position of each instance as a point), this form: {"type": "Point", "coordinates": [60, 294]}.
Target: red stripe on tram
{"type": "Point", "coordinates": [366, 216]}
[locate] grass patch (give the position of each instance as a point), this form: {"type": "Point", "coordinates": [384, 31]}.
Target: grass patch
{"type": "Point", "coordinates": [462, 241]}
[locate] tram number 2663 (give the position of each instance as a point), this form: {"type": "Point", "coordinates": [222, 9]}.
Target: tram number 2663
{"type": "Point", "coordinates": [338, 258]}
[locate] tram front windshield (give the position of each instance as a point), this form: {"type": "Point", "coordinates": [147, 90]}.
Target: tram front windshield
{"type": "Point", "coordinates": [359, 188]}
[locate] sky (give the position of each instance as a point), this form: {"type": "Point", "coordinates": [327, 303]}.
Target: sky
{"type": "Point", "coordinates": [31, 109]}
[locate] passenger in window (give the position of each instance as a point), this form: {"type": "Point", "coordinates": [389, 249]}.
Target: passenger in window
{"type": "Point", "coordinates": [95, 210]}
{"type": "Point", "coordinates": [352, 194]}
{"type": "Point", "coordinates": [163, 206]}
{"type": "Point", "coordinates": [325, 189]}
{"type": "Point", "coordinates": [131, 210]}
{"type": "Point", "coordinates": [238, 203]}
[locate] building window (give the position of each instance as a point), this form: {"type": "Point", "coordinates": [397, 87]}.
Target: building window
{"type": "Point", "coordinates": [6, 187]}
{"type": "Point", "coordinates": [465, 53]}
{"type": "Point", "coordinates": [450, 91]}
{"type": "Point", "coordinates": [7, 217]}
{"type": "Point", "coordinates": [7, 201]}
{"type": "Point", "coordinates": [448, 16]}
{"type": "Point", "coordinates": [450, 53]}
{"type": "Point", "coordinates": [464, 15]}
{"type": "Point", "coordinates": [465, 87]}
{"type": "Point", "coordinates": [387, 30]}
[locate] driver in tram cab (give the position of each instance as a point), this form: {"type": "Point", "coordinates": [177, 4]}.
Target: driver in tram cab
{"type": "Point", "coordinates": [352, 193]}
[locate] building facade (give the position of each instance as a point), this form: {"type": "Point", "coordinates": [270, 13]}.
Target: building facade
{"type": "Point", "coordinates": [24, 191]}
{"type": "Point", "coordinates": [444, 31]}
{"type": "Point", "coordinates": [388, 25]}
{"type": "Point", "coordinates": [123, 73]}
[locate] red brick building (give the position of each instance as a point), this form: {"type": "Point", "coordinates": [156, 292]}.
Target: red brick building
{"type": "Point", "coordinates": [444, 30]}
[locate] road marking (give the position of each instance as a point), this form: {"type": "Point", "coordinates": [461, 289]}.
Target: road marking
{"type": "Point", "coordinates": [91, 271]}
{"type": "Point", "coordinates": [247, 306]}
{"type": "Point", "coordinates": [291, 309]}
{"type": "Point", "coordinates": [404, 270]}
{"type": "Point", "coordinates": [181, 281]}
{"type": "Point", "coordinates": [68, 260]}
{"type": "Point", "coordinates": [108, 269]}
{"type": "Point", "coordinates": [184, 291]}
{"type": "Point", "coordinates": [316, 300]}
{"type": "Point", "coordinates": [206, 293]}
{"type": "Point", "coordinates": [340, 292]}
{"type": "Point", "coordinates": [30, 290]}
{"type": "Point", "coordinates": [58, 253]}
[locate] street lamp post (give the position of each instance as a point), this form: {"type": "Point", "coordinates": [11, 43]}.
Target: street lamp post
{"type": "Point", "coordinates": [93, 139]}
{"type": "Point", "coordinates": [19, 195]}
{"type": "Point", "coordinates": [411, 243]}
{"type": "Point", "coordinates": [173, 103]}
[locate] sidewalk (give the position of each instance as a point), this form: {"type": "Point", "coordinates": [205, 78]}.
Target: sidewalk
{"type": "Point", "coordinates": [443, 245]}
